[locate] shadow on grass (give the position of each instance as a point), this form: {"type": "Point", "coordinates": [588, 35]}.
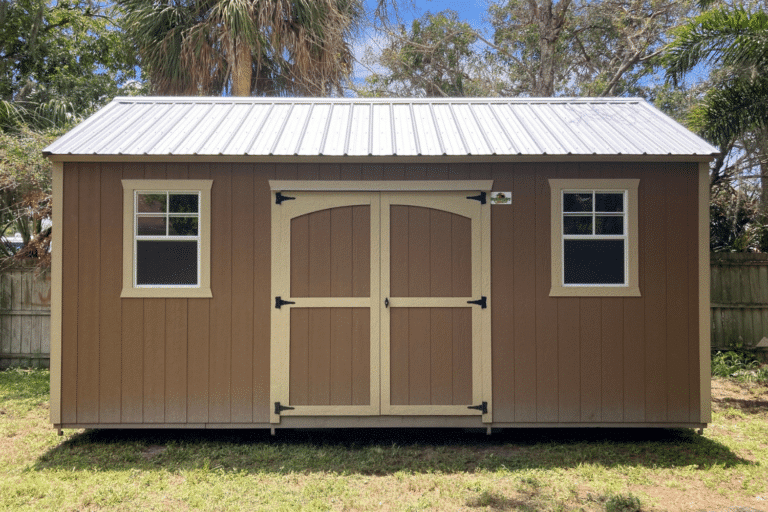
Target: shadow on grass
{"type": "Point", "coordinates": [385, 451]}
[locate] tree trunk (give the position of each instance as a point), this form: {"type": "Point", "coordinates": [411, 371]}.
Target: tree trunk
{"type": "Point", "coordinates": [242, 69]}
{"type": "Point", "coordinates": [550, 19]}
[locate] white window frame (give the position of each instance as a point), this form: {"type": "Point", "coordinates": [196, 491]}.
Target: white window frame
{"type": "Point", "coordinates": [131, 191]}
{"type": "Point", "coordinates": [628, 187]}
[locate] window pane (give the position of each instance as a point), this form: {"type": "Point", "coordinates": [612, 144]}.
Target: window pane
{"type": "Point", "coordinates": [577, 202]}
{"type": "Point", "coordinates": [183, 226]}
{"type": "Point", "coordinates": [577, 225]}
{"type": "Point", "coordinates": [183, 203]}
{"type": "Point", "coordinates": [593, 261]}
{"type": "Point", "coordinates": [150, 225]}
{"type": "Point", "coordinates": [609, 225]}
{"type": "Point", "coordinates": [166, 263]}
{"type": "Point", "coordinates": [609, 202]}
{"type": "Point", "coordinates": [152, 203]}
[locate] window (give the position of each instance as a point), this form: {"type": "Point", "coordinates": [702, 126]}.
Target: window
{"type": "Point", "coordinates": [166, 238]}
{"type": "Point", "coordinates": [594, 238]}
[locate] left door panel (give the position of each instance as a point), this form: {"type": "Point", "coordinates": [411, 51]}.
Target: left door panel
{"type": "Point", "coordinates": [325, 334]}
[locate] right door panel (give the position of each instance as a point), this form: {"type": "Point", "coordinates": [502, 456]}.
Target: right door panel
{"type": "Point", "coordinates": [431, 343]}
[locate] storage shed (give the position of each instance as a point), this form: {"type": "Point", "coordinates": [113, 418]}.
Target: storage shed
{"type": "Point", "coordinates": [301, 263]}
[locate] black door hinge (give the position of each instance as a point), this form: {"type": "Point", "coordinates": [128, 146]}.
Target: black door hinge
{"type": "Point", "coordinates": [482, 302]}
{"type": "Point", "coordinates": [279, 198]}
{"type": "Point", "coordinates": [480, 197]}
{"type": "Point", "coordinates": [482, 407]}
{"type": "Point", "coordinates": [279, 302]}
{"type": "Point", "coordinates": [280, 408]}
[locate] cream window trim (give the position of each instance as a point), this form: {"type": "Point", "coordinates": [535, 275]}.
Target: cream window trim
{"type": "Point", "coordinates": [203, 290]}
{"type": "Point", "coordinates": [382, 186]}
{"type": "Point", "coordinates": [632, 287]}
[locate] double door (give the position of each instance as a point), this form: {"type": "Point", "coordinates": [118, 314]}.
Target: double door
{"type": "Point", "coordinates": [381, 299]}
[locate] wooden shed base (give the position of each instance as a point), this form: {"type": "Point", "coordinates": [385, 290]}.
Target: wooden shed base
{"type": "Point", "coordinates": [389, 422]}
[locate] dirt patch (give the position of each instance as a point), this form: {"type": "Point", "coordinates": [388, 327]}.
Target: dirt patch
{"type": "Point", "coordinates": [748, 396]}
{"type": "Point", "coordinates": [152, 451]}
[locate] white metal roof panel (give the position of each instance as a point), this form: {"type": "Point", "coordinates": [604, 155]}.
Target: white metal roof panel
{"type": "Point", "coordinates": [344, 127]}
{"type": "Point", "coordinates": [382, 130]}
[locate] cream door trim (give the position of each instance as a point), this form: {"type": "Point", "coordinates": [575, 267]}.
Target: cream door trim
{"type": "Point", "coordinates": [457, 203]}
{"type": "Point", "coordinates": [281, 287]}
{"type": "Point", "coordinates": [380, 186]}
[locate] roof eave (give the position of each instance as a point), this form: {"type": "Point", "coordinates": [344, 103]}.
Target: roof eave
{"type": "Point", "coordinates": [388, 159]}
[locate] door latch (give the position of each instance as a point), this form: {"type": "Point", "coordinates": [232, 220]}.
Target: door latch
{"type": "Point", "coordinates": [386, 302]}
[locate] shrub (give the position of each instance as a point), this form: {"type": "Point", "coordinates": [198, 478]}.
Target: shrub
{"type": "Point", "coordinates": [741, 365]}
{"type": "Point", "coordinates": [621, 503]}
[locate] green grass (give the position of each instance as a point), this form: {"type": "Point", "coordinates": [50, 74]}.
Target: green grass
{"type": "Point", "coordinates": [423, 469]}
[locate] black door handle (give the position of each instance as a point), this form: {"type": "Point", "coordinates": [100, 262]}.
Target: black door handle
{"type": "Point", "coordinates": [386, 302]}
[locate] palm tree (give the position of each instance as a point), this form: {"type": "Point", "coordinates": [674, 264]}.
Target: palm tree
{"type": "Point", "coordinates": [208, 47]}
{"type": "Point", "coordinates": [735, 42]}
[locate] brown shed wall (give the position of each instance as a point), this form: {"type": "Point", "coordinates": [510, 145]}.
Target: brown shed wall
{"type": "Point", "coordinates": [206, 361]}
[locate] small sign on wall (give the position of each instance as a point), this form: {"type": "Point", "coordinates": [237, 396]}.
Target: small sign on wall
{"type": "Point", "coordinates": [501, 197]}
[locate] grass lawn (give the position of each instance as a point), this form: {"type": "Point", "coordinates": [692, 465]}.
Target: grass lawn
{"type": "Point", "coordinates": [564, 469]}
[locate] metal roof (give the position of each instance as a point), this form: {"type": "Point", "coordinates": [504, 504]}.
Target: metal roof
{"type": "Point", "coordinates": [331, 127]}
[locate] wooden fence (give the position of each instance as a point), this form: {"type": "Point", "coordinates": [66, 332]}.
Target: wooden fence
{"type": "Point", "coordinates": [25, 318]}
{"type": "Point", "coordinates": [739, 299]}
{"type": "Point", "coordinates": [739, 308]}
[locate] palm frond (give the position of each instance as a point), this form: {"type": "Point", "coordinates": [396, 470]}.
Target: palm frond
{"type": "Point", "coordinates": [727, 112]}
{"type": "Point", "coordinates": [728, 37]}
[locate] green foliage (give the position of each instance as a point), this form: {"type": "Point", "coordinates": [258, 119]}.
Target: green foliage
{"type": "Point", "coordinates": [602, 48]}
{"type": "Point", "coordinates": [280, 46]}
{"type": "Point", "coordinates": [623, 503]}
{"type": "Point", "coordinates": [58, 61]}
{"type": "Point", "coordinates": [25, 190]}
{"type": "Point", "coordinates": [741, 365]}
{"type": "Point", "coordinates": [733, 226]}
{"type": "Point", "coordinates": [431, 59]}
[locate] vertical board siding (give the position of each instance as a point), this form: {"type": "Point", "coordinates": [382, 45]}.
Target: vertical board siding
{"type": "Point", "coordinates": [198, 339]}
{"type": "Point", "coordinates": [154, 338]}
{"type": "Point", "coordinates": [430, 348]}
{"type": "Point", "coordinates": [220, 348]}
{"type": "Point", "coordinates": [566, 359]}
{"type": "Point", "coordinates": [523, 297]}
{"type": "Point", "coordinates": [653, 276]}
{"type": "Point", "coordinates": [176, 339]}
{"type": "Point", "coordinates": [69, 295]}
{"type": "Point", "coordinates": [547, 381]}
{"type": "Point", "coordinates": [89, 274]}
{"type": "Point", "coordinates": [132, 328]}
{"type": "Point", "coordinates": [503, 306]}
{"type": "Point", "coordinates": [242, 294]}
{"type": "Point", "coordinates": [110, 310]}
{"type": "Point", "coordinates": [681, 211]}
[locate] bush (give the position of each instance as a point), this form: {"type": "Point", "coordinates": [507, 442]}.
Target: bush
{"type": "Point", "coordinates": [741, 365]}
{"type": "Point", "coordinates": [621, 503]}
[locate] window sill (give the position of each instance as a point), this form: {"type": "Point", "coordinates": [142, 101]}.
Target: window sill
{"type": "Point", "coordinates": [166, 293]}
{"type": "Point", "coordinates": [595, 291]}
